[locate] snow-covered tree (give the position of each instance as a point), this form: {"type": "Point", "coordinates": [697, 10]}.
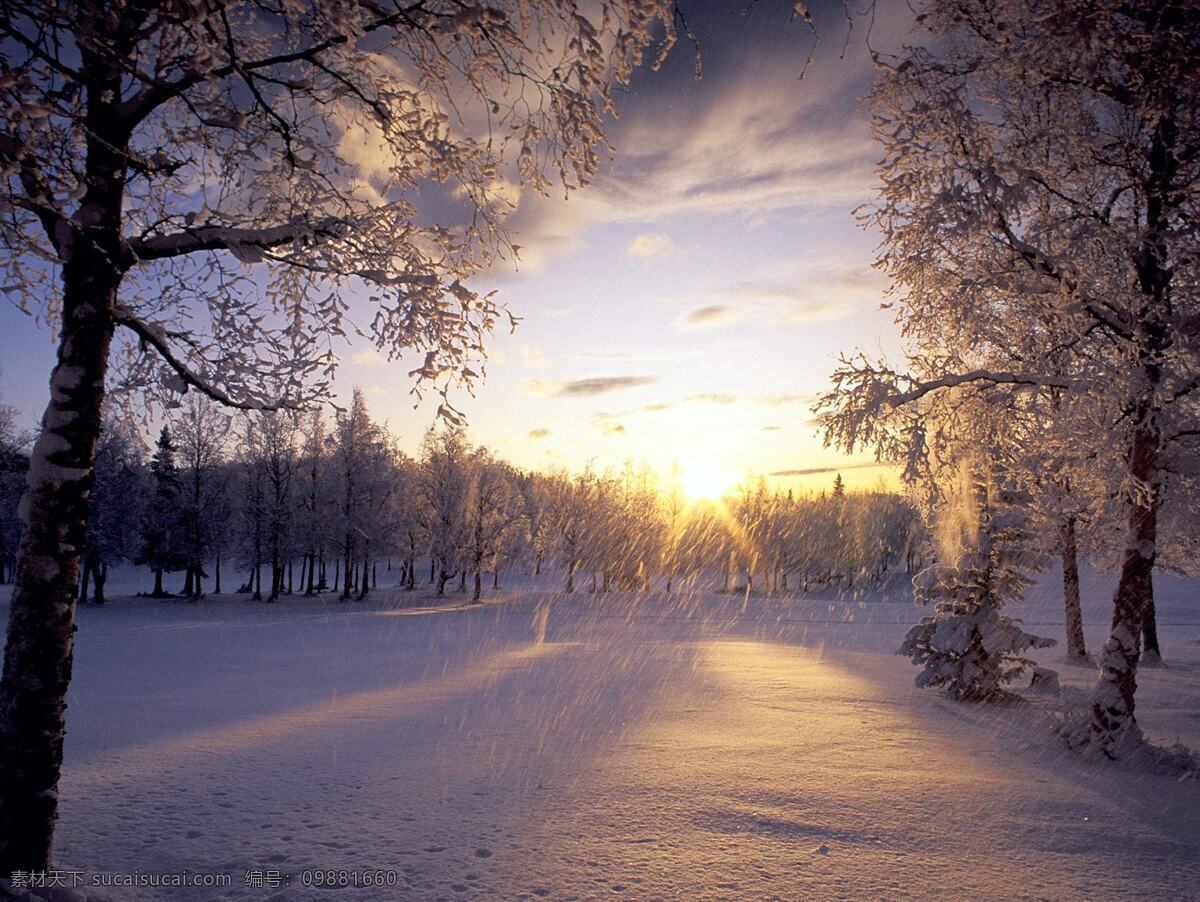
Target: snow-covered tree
{"type": "Point", "coordinates": [491, 511]}
{"type": "Point", "coordinates": [114, 508]}
{"type": "Point", "coordinates": [575, 513]}
{"type": "Point", "coordinates": [162, 547]}
{"type": "Point", "coordinates": [535, 498]}
{"type": "Point", "coordinates": [251, 511]}
{"type": "Point", "coordinates": [275, 459]}
{"type": "Point", "coordinates": [314, 501]}
{"type": "Point", "coordinates": [444, 484]}
{"type": "Point", "coordinates": [967, 645]}
{"type": "Point", "coordinates": [1040, 224]}
{"type": "Point", "coordinates": [409, 523]}
{"type": "Point", "coordinates": [200, 429]}
{"type": "Point", "coordinates": [353, 438]}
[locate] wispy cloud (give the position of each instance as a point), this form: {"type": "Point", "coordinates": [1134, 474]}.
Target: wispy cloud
{"type": "Point", "coordinates": [537, 434]}
{"type": "Point", "coordinates": [651, 245]}
{"type": "Point", "coordinates": [532, 357]}
{"type": "Point", "coordinates": [796, 294]}
{"type": "Point", "coordinates": [817, 471]}
{"type": "Point", "coordinates": [711, 316]}
{"type": "Point", "coordinates": [585, 388]}
{"type": "Point", "coordinates": [776, 400]}
{"type": "Point", "coordinates": [758, 147]}
{"type": "Point", "coordinates": [639, 355]}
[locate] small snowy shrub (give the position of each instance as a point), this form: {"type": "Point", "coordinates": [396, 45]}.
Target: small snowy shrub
{"type": "Point", "coordinates": [967, 646]}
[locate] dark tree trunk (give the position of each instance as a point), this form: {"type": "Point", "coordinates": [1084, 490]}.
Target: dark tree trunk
{"type": "Point", "coordinates": [431, 575]}
{"type": "Point", "coordinates": [347, 571]}
{"type": "Point", "coordinates": [100, 577]}
{"type": "Point", "coordinates": [217, 573]}
{"type": "Point", "coordinates": [189, 588]}
{"type": "Point", "coordinates": [496, 578]}
{"type": "Point", "coordinates": [258, 582]}
{"type": "Point", "coordinates": [41, 620]}
{"type": "Point", "coordinates": [337, 571]}
{"type": "Point", "coordinates": [443, 578]}
{"type": "Point", "coordinates": [1151, 653]}
{"type": "Point", "coordinates": [312, 563]}
{"type": "Point", "coordinates": [478, 585]}
{"type": "Point", "coordinates": [1076, 650]}
{"type": "Point", "coordinates": [83, 581]}
{"type": "Point", "coordinates": [159, 591]}
{"type": "Point", "coordinates": [462, 581]}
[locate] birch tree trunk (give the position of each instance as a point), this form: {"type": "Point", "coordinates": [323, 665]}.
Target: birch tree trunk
{"type": "Point", "coordinates": [41, 626]}
{"type": "Point", "coordinates": [1113, 704]}
{"type": "Point", "coordinates": [1076, 648]}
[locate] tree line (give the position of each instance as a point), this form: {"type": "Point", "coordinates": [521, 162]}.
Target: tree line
{"type": "Point", "coordinates": [276, 503]}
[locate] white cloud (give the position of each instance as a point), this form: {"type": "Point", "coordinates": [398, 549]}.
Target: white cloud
{"type": "Point", "coordinates": [651, 245]}
{"type": "Point", "coordinates": [532, 357]}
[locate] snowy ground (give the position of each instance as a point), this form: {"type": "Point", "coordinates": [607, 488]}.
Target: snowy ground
{"type": "Point", "coordinates": [577, 747]}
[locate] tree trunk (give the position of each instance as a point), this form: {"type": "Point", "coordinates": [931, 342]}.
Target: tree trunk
{"type": "Point", "coordinates": [1076, 649]}
{"type": "Point", "coordinates": [159, 591]}
{"type": "Point", "coordinates": [100, 578]}
{"type": "Point", "coordinates": [41, 620]}
{"type": "Point", "coordinates": [83, 581]}
{"type": "Point", "coordinates": [496, 578]}
{"type": "Point", "coordinates": [217, 574]}
{"type": "Point", "coordinates": [1151, 653]}
{"type": "Point", "coordinates": [1113, 702]}
{"type": "Point", "coordinates": [312, 563]}
{"type": "Point", "coordinates": [478, 585]}
{"type": "Point", "coordinates": [189, 578]}
{"type": "Point", "coordinates": [347, 574]}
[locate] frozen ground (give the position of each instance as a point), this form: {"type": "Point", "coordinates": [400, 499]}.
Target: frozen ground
{"type": "Point", "coordinates": [582, 747]}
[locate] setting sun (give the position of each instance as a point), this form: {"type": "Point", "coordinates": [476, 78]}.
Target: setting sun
{"type": "Point", "coordinates": [705, 480]}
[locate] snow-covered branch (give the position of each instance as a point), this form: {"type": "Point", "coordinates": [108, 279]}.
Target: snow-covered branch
{"type": "Point", "coordinates": [247, 245]}
{"type": "Point", "coordinates": [157, 337]}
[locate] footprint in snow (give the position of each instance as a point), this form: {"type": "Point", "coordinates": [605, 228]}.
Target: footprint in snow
{"type": "Point", "coordinates": [483, 853]}
{"type": "Point", "coordinates": [822, 849]}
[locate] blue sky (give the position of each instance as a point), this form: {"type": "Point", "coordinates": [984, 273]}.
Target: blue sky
{"type": "Point", "coordinates": [688, 305]}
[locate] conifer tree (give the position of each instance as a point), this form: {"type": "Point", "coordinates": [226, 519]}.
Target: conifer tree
{"type": "Point", "coordinates": [967, 645]}
{"type": "Point", "coordinates": [162, 523]}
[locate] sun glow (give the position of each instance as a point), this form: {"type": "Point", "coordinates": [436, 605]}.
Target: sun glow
{"type": "Point", "coordinates": [705, 480]}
